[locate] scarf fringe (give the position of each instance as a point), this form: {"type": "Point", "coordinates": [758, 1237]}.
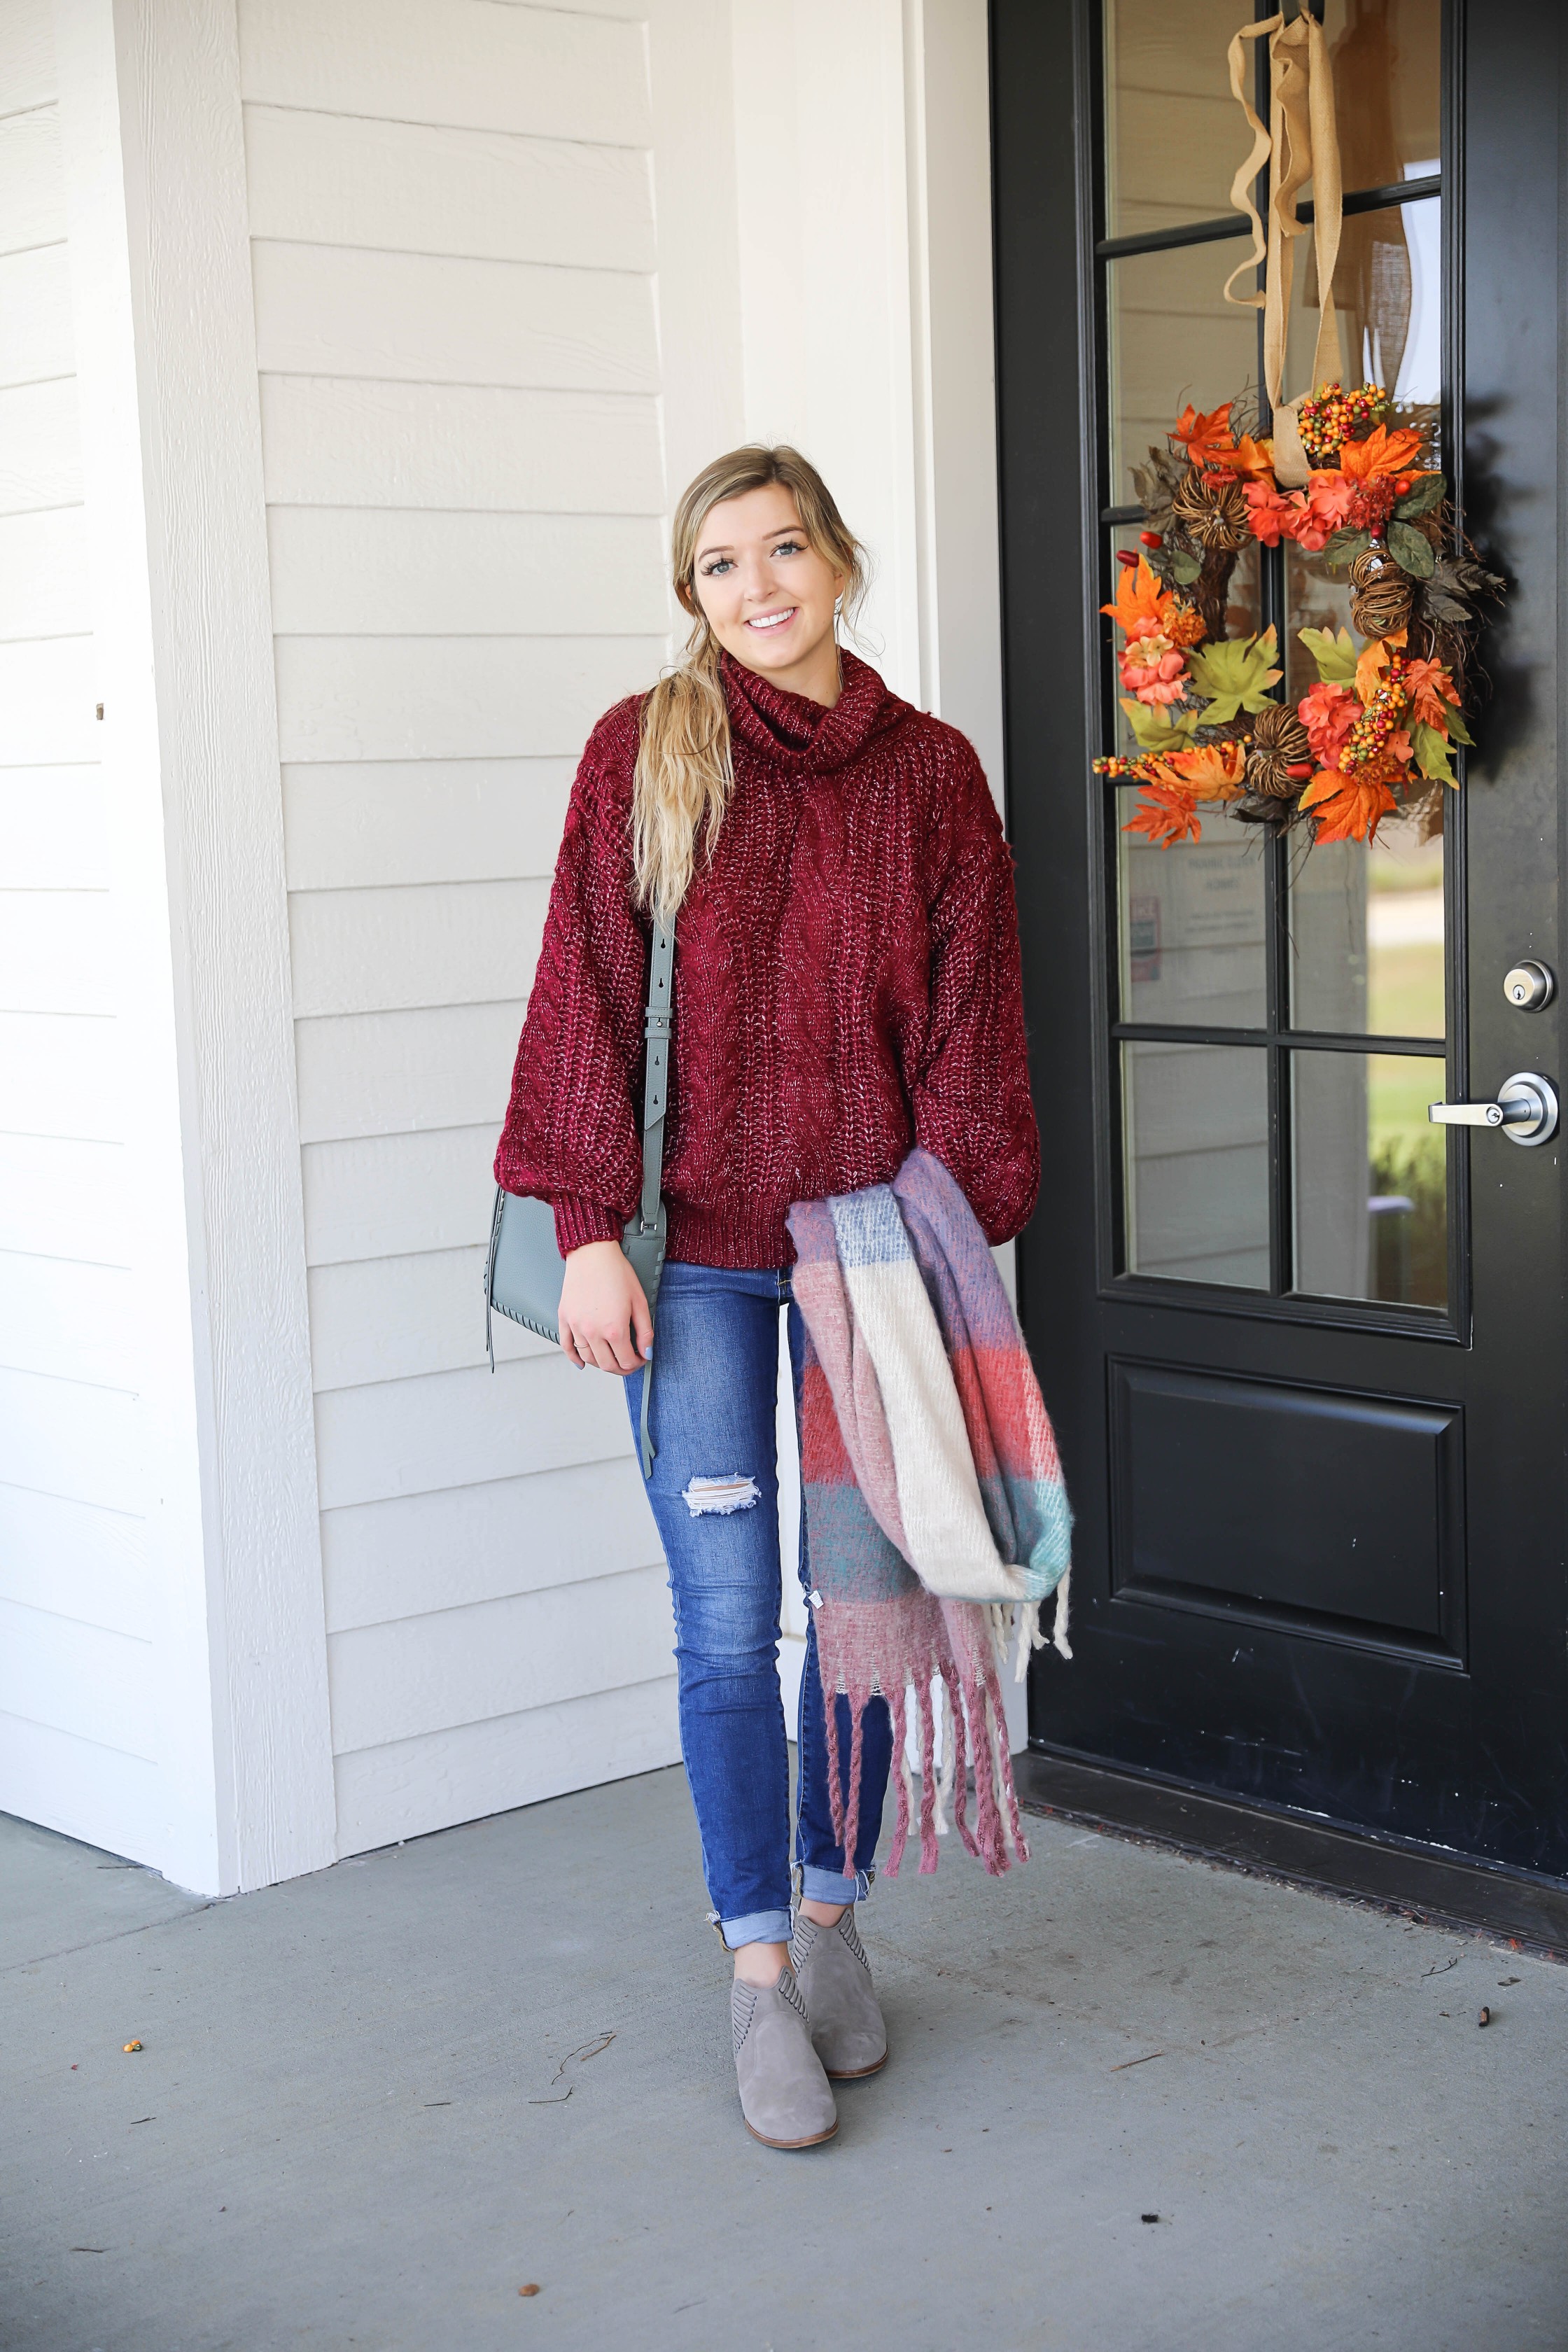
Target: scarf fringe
{"type": "Point", "coordinates": [1027, 1620]}
{"type": "Point", "coordinates": [975, 1740]}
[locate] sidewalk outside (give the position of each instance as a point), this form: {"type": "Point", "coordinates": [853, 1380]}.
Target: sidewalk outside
{"type": "Point", "coordinates": [373, 2103]}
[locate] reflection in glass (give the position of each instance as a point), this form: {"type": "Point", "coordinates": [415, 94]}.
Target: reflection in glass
{"type": "Point", "coordinates": [1315, 598]}
{"type": "Point", "coordinates": [1191, 926]}
{"type": "Point", "coordinates": [1388, 59]}
{"type": "Point", "coordinates": [1243, 612]}
{"type": "Point", "coordinates": [1388, 284]}
{"type": "Point", "coordinates": [1370, 1184]}
{"type": "Point", "coordinates": [1173, 134]}
{"type": "Point", "coordinates": [1366, 934]}
{"type": "Point", "coordinates": [1195, 1128]}
{"type": "Point", "coordinates": [1173, 338]}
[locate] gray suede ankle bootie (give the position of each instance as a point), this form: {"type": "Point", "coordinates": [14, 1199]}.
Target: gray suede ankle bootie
{"type": "Point", "coordinates": [785, 2097]}
{"type": "Point", "coordinates": [834, 1980]}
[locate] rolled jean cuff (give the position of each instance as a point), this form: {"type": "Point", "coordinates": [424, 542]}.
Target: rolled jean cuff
{"type": "Point", "coordinates": [832, 1886]}
{"type": "Point", "coordinates": [758, 1927]}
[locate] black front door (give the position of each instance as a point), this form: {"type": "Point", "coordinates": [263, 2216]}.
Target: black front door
{"type": "Point", "coordinates": [1305, 1351]}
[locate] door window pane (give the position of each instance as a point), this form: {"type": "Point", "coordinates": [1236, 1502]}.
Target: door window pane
{"type": "Point", "coordinates": [1175, 137]}
{"type": "Point", "coordinates": [1387, 58]}
{"type": "Point", "coordinates": [1366, 934]}
{"type": "Point", "coordinates": [1173, 338]}
{"type": "Point", "coordinates": [1388, 288]}
{"type": "Point", "coordinates": [1173, 134]}
{"type": "Point", "coordinates": [1370, 1184]}
{"type": "Point", "coordinates": [1195, 1127]}
{"type": "Point", "coordinates": [1192, 925]}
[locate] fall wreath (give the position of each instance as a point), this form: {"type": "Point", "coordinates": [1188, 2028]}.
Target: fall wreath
{"type": "Point", "coordinates": [1375, 734]}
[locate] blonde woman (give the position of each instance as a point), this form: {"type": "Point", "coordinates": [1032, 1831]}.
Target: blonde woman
{"type": "Point", "coordinates": [846, 987]}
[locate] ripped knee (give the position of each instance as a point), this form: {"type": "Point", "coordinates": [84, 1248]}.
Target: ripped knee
{"type": "Point", "coordinates": [734, 1492]}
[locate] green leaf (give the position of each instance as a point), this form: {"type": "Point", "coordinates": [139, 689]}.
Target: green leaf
{"type": "Point", "coordinates": [1335, 656]}
{"type": "Point", "coordinates": [1344, 546]}
{"type": "Point", "coordinates": [1184, 566]}
{"type": "Point", "coordinates": [1236, 674]}
{"type": "Point", "coordinates": [1154, 731]}
{"type": "Point", "coordinates": [1458, 730]}
{"type": "Point", "coordinates": [1431, 754]}
{"type": "Point", "coordinates": [1426, 494]}
{"type": "Point", "coordinates": [1411, 549]}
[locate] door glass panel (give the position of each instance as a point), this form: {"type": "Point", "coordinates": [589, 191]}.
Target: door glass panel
{"type": "Point", "coordinates": [1173, 134]}
{"type": "Point", "coordinates": [1388, 285]}
{"type": "Point", "coordinates": [1371, 1186]}
{"type": "Point", "coordinates": [1192, 926]}
{"type": "Point", "coordinates": [1173, 338]}
{"type": "Point", "coordinates": [1195, 1129]}
{"type": "Point", "coordinates": [1366, 934]}
{"type": "Point", "coordinates": [1387, 58]}
{"type": "Point", "coordinates": [1359, 1211]}
{"type": "Point", "coordinates": [1315, 598]}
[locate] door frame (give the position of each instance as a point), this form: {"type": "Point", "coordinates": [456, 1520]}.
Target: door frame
{"type": "Point", "coordinates": [1046, 198]}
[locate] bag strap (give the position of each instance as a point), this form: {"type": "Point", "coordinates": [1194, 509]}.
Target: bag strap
{"type": "Point", "coordinates": [656, 1085]}
{"type": "Point", "coordinates": [656, 1102]}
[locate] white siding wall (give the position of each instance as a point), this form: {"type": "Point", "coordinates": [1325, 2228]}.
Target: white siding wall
{"type": "Point", "coordinates": [453, 238]}
{"type": "Point", "coordinates": [76, 1737]}
{"type": "Point", "coordinates": [517, 271]}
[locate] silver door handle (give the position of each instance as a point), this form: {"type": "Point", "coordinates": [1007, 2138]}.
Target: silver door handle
{"type": "Point", "coordinates": [1526, 1109]}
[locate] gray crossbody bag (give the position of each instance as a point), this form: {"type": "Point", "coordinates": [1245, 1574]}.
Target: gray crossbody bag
{"type": "Point", "coordinates": [524, 1269]}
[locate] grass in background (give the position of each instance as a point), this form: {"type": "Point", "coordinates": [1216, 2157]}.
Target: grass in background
{"type": "Point", "coordinates": [1405, 991]}
{"type": "Point", "coordinates": [1407, 1154]}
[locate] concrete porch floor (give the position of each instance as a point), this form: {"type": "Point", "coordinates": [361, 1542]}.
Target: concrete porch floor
{"type": "Point", "coordinates": [373, 2104]}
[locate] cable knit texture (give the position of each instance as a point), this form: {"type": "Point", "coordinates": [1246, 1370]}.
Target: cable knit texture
{"type": "Point", "coordinates": [846, 985]}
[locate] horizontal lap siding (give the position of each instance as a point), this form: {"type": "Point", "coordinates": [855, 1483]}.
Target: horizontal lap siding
{"type": "Point", "coordinates": [454, 245]}
{"type": "Point", "coordinates": [77, 1738]}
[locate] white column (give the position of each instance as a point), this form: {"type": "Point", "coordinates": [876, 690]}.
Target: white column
{"type": "Point", "coordinates": [156, 170]}
{"type": "Point", "coordinates": [821, 176]}
{"type": "Point", "coordinates": [947, 71]}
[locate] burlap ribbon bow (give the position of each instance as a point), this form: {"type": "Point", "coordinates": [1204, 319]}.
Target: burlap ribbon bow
{"type": "Point", "coordinates": [1301, 144]}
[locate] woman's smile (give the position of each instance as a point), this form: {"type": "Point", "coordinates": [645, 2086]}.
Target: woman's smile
{"type": "Point", "coordinates": [753, 547]}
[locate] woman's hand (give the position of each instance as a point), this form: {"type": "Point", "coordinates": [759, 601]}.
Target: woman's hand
{"type": "Point", "coordinates": [603, 1316]}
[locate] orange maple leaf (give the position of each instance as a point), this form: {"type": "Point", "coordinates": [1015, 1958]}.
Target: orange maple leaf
{"type": "Point", "coordinates": [1139, 596]}
{"type": "Point", "coordinates": [1432, 693]}
{"type": "Point", "coordinates": [1347, 810]}
{"type": "Point", "coordinates": [1166, 813]}
{"type": "Point", "coordinates": [1382, 452]}
{"type": "Point", "coordinates": [1210, 772]}
{"type": "Point", "coordinates": [1208, 440]}
{"type": "Point", "coordinates": [1249, 457]}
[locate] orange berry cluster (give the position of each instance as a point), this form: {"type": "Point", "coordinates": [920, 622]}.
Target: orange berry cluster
{"type": "Point", "coordinates": [1366, 746]}
{"type": "Point", "coordinates": [1333, 417]}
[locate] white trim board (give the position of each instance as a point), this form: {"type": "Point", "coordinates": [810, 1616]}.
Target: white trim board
{"type": "Point", "coordinates": [182, 664]}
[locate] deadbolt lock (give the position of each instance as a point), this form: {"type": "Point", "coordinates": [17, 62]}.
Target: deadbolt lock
{"type": "Point", "coordinates": [1531, 986]}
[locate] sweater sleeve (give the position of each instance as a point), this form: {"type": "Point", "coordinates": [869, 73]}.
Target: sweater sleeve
{"type": "Point", "coordinates": [571, 1134]}
{"type": "Point", "coordinates": [972, 1102]}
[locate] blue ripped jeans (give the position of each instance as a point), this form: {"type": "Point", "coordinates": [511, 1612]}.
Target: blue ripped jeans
{"type": "Point", "coordinates": [714, 1493]}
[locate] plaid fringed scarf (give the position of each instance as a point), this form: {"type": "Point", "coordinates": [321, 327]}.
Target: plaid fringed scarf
{"type": "Point", "coordinates": [937, 1520]}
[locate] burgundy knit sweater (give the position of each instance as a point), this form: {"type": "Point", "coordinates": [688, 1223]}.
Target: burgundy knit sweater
{"type": "Point", "coordinates": [846, 985]}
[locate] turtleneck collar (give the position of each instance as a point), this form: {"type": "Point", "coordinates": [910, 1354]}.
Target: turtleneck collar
{"type": "Point", "coordinates": [792, 731]}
